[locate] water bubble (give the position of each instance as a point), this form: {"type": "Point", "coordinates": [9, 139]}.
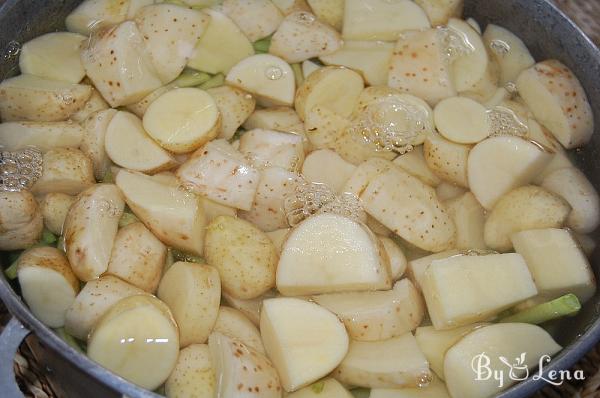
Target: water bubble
{"type": "Point", "coordinates": [500, 47]}
{"type": "Point", "coordinates": [424, 380]}
{"type": "Point", "coordinates": [20, 169]}
{"type": "Point", "coordinates": [504, 121]}
{"type": "Point", "coordinates": [455, 43]}
{"type": "Point", "coordinates": [305, 18]}
{"type": "Point", "coordinates": [13, 49]}
{"type": "Point", "coordinates": [274, 73]}
{"type": "Point", "coordinates": [66, 97]}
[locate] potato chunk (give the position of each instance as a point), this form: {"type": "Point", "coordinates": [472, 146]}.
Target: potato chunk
{"type": "Point", "coordinates": [235, 324]}
{"type": "Point", "coordinates": [235, 106]}
{"type": "Point", "coordinates": [469, 218]}
{"type": "Point", "coordinates": [65, 170]}
{"type": "Point", "coordinates": [256, 18]}
{"type": "Point", "coordinates": [193, 374]}
{"type": "Point", "coordinates": [55, 207]}
{"type": "Point", "coordinates": [43, 136]}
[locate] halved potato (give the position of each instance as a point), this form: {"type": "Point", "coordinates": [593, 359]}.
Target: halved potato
{"type": "Point", "coordinates": [329, 11]}
{"type": "Point", "coordinates": [128, 145]}
{"type": "Point", "coordinates": [469, 218]}
{"type": "Point", "coordinates": [32, 98]}
{"type": "Point", "coordinates": [138, 257]}
{"type": "Point", "coordinates": [177, 218]}
{"type": "Point", "coordinates": [301, 36]}
{"type": "Point", "coordinates": [410, 209]}
{"type": "Point", "coordinates": [374, 316]}
{"type": "Point", "coordinates": [509, 51]}
{"type": "Point", "coordinates": [47, 283]}
{"type": "Point", "coordinates": [235, 107]}
{"type": "Point", "coordinates": [93, 14]}
{"type": "Point", "coordinates": [397, 258]}
{"type": "Point", "coordinates": [193, 374]}
{"type": "Point", "coordinates": [381, 20]}
{"type": "Point", "coordinates": [222, 174]}
{"type": "Point", "coordinates": [234, 364]}
{"type": "Point", "coordinates": [233, 323]}
{"type": "Point", "coordinates": [393, 363]}
{"type": "Point", "coordinates": [94, 299]}
{"type": "Point", "coordinates": [170, 32]}
{"type": "Point", "coordinates": [90, 229]}
{"type": "Point", "coordinates": [414, 163]}
{"type": "Point", "coordinates": [44, 136]}
{"type": "Point", "coordinates": [222, 45]}
{"type": "Point", "coordinates": [54, 56]}
{"type": "Point", "coordinates": [510, 162]}
{"type": "Point", "coordinates": [93, 142]}
{"type": "Point", "coordinates": [336, 88]}
{"type": "Point", "coordinates": [269, 78]}
{"type": "Point", "coordinates": [556, 262]}
{"type": "Point", "coordinates": [574, 187]}
{"type": "Point", "coordinates": [464, 289]}
{"type": "Point", "coordinates": [183, 119]}
{"type": "Point", "coordinates": [193, 293]}
{"type": "Point", "coordinates": [327, 167]}
{"type": "Point", "coordinates": [371, 58]}
{"type": "Point", "coordinates": [65, 170]}
{"type": "Point", "coordinates": [54, 208]}
{"type": "Point", "coordinates": [558, 101]}
{"type": "Point", "coordinates": [330, 253]}
{"type": "Point", "coordinates": [419, 66]}
{"type": "Point", "coordinates": [243, 254]}
{"type": "Point", "coordinates": [304, 340]}
{"type": "Point", "coordinates": [527, 343]}
{"type": "Point", "coordinates": [257, 18]}
{"type": "Point", "coordinates": [522, 209]}
{"type": "Point", "coordinates": [440, 11]}
{"type": "Point", "coordinates": [138, 340]}
{"type": "Point", "coordinates": [119, 65]}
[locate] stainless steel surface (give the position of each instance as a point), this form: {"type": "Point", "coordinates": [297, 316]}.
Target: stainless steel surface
{"type": "Point", "coordinates": [546, 31]}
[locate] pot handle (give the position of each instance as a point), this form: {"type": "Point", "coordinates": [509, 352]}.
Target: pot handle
{"type": "Point", "coordinates": [11, 338]}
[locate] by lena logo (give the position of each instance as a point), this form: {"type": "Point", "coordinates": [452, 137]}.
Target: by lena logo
{"type": "Point", "coordinates": [505, 371]}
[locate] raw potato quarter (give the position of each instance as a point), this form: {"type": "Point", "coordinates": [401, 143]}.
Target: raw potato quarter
{"type": "Point", "coordinates": [245, 257]}
{"type": "Point", "coordinates": [32, 98]}
{"type": "Point", "coordinates": [469, 218]}
{"type": "Point", "coordinates": [193, 374]}
{"type": "Point", "coordinates": [55, 207]}
{"type": "Point", "coordinates": [119, 65]}
{"type": "Point", "coordinates": [222, 174]}
{"type": "Point", "coordinates": [301, 36]}
{"type": "Point", "coordinates": [21, 221]}
{"type": "Point", "coordinates": [304, 340]}
{"type": "Point", "coordinates": [329, 253]}
{"type": "Point", "coordinates": [525, 208]}
{"type": "Point", "coordinates": [393, 363]}
{"type": "Point", "coordinates": [65, 170]}
{"type": "Point", "coordinates": [44, 136]}
{"type": "Point", "coordinates": [138, 257]}
{"type": "Point", "coordinates": [327, 167]}
{"type": "Point", "coordinates": [574, 187]}
{"type": "Point", "coordinates": [175, 217]}
{"type": "Point", "coordinates": [93, 142]}
{"type": "Point", "coordinates": [558, 102]}
{"type": "Point", "coordinates": [233, 323]}
{"type": "Point", "coordinates": [90, 229]}
{"type": "Point", "coordinates": [234, 365]}
{"type": "Point", "coordinates": [94, 299]}
{"type": "Point", "coordinates": [375, 316]}
{"type": "Point", "coordinates": [54, 56]}
{"type": "Point", "coordinates": [448, 160]}
{"type": "Point", "coordinates": [440, 11]}
{"type": "Point", "coordinates": [47, 283]}
{"type": "Point", "coordinates": [91, 14]}
{"type": "Point", "coordinates": [193, 293]}
{"type": "Point", "coordinates": [235, 106]}
{"type": "Point", "coordinates": [128, 145]}
{"type": "Point", "coordinates": [418, 266]}
{"type": "Point", "coordinates": [256, 18]}
{"type": "Point", "coordinates": [183, 119]}
{"type": "Point", "coordinates": [152, 336]}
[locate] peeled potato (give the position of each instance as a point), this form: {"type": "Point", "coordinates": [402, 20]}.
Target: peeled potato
{"type": "Point", "coordinates": [381, 20]}
{"type": "Point", "coordinates": [301, 36]}
{"type": "Point", "coordinates": [32, 98]}
{"type": "Point", "coordinates": [251, 307]}
{"type": "Point", "coordinates": [128, 145]}
{"type": "Point", "coordinates": [510, 162]}
{"type": "Point", "coordinates": [509, 51]}
{"type": "Point", "coordinates": [267, 148]}
{"type": "Point", "coordinates": [193, 374]}
{"type": "Point", "coordinates": [304, 340]}
{"type": "Point", "coordinates": [462, 120]}
{"type": "Point", "coordinates": [469, 218]}
{"type": "Point", "coordinates": [138, 340]}
{"type": "Point", "coordinates": [330, 253]}
{"type": "Point", "coordinates": [269, 78]}
{"type": "Point", "coordinates": [471, 66]}
{"type": "Point", "coordinates": [417, 266]}
{"type": "Point", "coordinates": [65, 170]}
{"type": "Point", "coordinates": [525, 208]}
{"type": "Point", "coordinates": [47, 283]}
{"type": "Point", "coordinates": [92, 14]}
{"type": "Point", "coordinates": [93, 142]}
{"type": "Point", "coordinates": [235, 107]}
{"type": "Point", "coordinates": [335, 88]}
{"type": "Point", "coordinates": [440, 11]}
{"type": "Point", "coordinates": [44, 136]}
{"type": "Point", "coordinates": [54, 56]}
{"type": "Point", "coordinates": [193, 293]}
{"type": "Point", "coordinates": [183, 119]}
{"type": "Point", "coordinates": [397, 258]}
{"type": "Point", "coordinates": [233, 323]}
{"type": "Point", "coordinates": [558, 102]}
{"type": "Point", "coordinates": [257, 18]}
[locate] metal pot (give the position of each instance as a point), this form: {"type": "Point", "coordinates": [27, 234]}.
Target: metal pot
{"type": "Point", "coordinates": [547, 32]}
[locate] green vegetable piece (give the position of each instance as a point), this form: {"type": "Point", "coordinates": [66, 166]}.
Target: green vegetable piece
{"type": "Point", "coordinates": [215, 81]}
{"type": "Point", "coordinates": [108, 178]}
{"type": "Point", "coordinates": [318, 387]}
{"type": "Point", "coordinates": [48, 238]}
{"type": "Point", "coordinates": [262, 46]}
{"type": "Point", "coordinates": [566, 305]}
{"type": "Point", "coordinates": [179, 255]}
{"type": "Point", "coordinates": [361, 392]}
{"type": "Point", "coordinates": [70, 340]}
{"type": "Point", "coordinates": [191, 78]}
{"type": "Point", "coordinates": [298, 74]}
{"type": "Point", "coordinates": [11, 272]}
{"type": "Point", "coordinates": [127, 218]}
